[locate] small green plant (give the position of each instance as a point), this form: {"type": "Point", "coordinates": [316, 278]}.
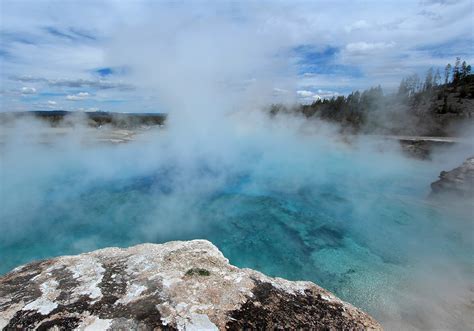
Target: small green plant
{"type": "Point", "coordinates": [198, 272]}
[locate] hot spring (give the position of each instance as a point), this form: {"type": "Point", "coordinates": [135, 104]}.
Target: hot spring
{"type": "Point", "coordinates": [352, 217]}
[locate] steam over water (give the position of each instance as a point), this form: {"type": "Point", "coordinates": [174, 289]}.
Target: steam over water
{"type": "Point", "coordinates": [283, 196]}
{"type": "Point", "coordinates": [354, 218]}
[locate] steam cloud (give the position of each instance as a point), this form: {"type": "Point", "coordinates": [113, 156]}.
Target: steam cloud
{"type": "Point", "coordinates": [217, 138]}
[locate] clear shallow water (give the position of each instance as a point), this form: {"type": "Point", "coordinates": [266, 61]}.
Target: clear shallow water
{"type": "Point", "coordinates": [356, 225]}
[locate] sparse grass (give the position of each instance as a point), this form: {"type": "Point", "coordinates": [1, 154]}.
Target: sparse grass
{"type": "Point", "coordinates": [198, 272]}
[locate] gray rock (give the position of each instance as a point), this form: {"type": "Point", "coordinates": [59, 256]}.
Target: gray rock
{"type": "Point", "coordinates": [186, 285]}
{"type": "Point", "coordinates": [459, 181]}
{"type": "Point", "coordinates": [416, 149]}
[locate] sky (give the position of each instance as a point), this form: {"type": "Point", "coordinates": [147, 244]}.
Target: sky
{"type": "Point", "coordinates": [152, 56]}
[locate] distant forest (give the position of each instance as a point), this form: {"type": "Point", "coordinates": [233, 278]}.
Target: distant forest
{"type": "Point", "coordinates": [429, 106]}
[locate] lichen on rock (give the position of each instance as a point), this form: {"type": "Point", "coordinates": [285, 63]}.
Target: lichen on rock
{"type": "Point", "coordinates": [178, 285]}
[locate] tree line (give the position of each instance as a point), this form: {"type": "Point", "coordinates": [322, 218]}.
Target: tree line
{"type": "Point", "coordinates": [359, 109]}
{"type": "Point", "coordinates": [413, 84]}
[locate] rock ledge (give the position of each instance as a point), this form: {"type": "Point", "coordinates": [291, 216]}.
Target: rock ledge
{"type": "Point", "coordinates": [186, 285]}
{"type": "Point", "coordinates": [459, 181]}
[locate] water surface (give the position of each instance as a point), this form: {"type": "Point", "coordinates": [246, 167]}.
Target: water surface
{"type": "Point", "coordinates": [358, 225]}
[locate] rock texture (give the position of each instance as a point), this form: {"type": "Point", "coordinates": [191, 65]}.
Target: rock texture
{"type": "Point", "coordinates": [459, 181]}
{"type": "Point", "coordinates": [416, 149]}
{"type": "Point", "coordinates": [186, 285]}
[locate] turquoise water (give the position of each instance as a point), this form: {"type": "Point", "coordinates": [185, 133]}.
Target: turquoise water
{"type": "Point", "coordinates": [358, 225]}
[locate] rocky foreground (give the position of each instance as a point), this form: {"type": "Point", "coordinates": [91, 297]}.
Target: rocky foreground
{"type": "Point", "coordinates": [459, 181]}
{"type": "Point", "coordinates": [185, 285]}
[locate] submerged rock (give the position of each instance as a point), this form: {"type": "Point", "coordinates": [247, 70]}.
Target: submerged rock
{"type": "Point", "coordinates": [178, 285]}
{"type": "Point", "coordinates": [416, 149]}
{"type": "Point", "coordinates": [459, 181]}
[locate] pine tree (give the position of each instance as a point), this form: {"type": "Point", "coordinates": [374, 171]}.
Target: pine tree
{"type": "Point", "coordinates": [403, 88]}
{"type": "Point", "coordinates": [437, 77]}
{"type": "Point", "coordinates": [457, 70]}
{"type": "Point", "coordinates": [463, 69]}
{"type": "Point", "coordinates": [429, 79]}
{"type": "Point", "coordinates": [447, 72]}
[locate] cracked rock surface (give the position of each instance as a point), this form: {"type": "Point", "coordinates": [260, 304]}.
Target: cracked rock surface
{"type": "Point", "coordinates": [185, 285]}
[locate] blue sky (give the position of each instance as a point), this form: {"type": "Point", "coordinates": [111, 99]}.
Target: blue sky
{"type": "Point", "coordinates": [146, 56]}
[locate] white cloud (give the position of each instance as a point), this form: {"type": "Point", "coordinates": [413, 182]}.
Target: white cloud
{"type": "Point", "coordinates": [358, 25]}
{"type": "Point", "coordinates": [252, 36]}
{"type": "Point", "coordinates": [91, 109]}
{"type": "Point", "coordinates": [304, 93]}
{"type": "Point", "coordinates": [307, 97]}
{"type": "Point", "coordinates": [280, 90]}
{"type": "Point", "coordinates": [79, 96]}
{"type": "Point", "coordinates": [325, 94]}
{"type": "Point", "coordinates": [52, 103]}
{"type": "Point", "coordinates": [28, 90]}
{"type": "Point", "coordinates": [365, 47]}
{"type": "Point", "coordinates": [312, 81]}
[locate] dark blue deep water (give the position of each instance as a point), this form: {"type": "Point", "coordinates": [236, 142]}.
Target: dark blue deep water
{"type": "Point", "coordinates": [358, 225]}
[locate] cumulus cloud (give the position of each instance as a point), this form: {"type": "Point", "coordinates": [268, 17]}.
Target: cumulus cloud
{"type": "Point", "coordinates": [365, 47]}
{"type": "Point", "coordinates": [304, 93]}
{"type": "Point", "coordinates": [77, 97]}
{"type": "Point", "coordinates": [358, 25]}
{"type": "Point", "coordinates": [62, 53]}
{"type": "Point", "coordinates": [306, 96]}
{"type": "Point", "coordinates": [430, 14]}
{"type": "Point", "coordinates": [28, 90]}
